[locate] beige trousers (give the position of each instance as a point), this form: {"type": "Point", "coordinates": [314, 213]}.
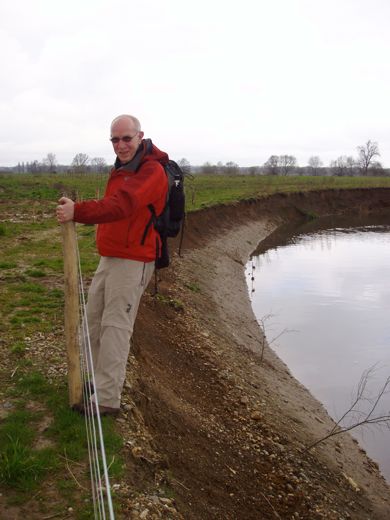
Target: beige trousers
{"type": "Point", "coordinates": [113, 301]}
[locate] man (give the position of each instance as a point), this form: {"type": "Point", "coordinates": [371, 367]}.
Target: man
{"type": "Point", "coordinates": [128, 245]}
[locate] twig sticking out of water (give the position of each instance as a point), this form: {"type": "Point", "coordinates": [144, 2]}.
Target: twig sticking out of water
{"type": "Point", "coordinates": [358, 416]}
{"type": "Point", "coordinates": [263, 341]}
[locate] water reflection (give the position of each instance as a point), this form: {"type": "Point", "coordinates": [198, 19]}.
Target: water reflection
{"type": "Point", "coordinates": [333, 287]}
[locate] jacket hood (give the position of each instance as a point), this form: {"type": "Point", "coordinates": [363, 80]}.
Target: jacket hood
{"type": "Point", "coordinates": [147, 151]}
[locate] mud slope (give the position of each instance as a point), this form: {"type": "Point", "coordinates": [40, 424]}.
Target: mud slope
{"type": "Point", "coordinates": [229, 427]}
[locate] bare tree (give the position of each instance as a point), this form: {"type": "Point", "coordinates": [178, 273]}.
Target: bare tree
{"type": "Point", "coordinates": [220, 168]}
{"type": "Point", "coordinates": [315, 164]}
{"type": "Point", "coordinates": [50, 162]}
{"type": "Point", "coordinates": [367, 152]}
{"type": "Point", "coordinates": [271, 166]}
{"type": "Point", "coordinates": [99, 164]}
{"type": "Point", "coordinates": [184, 165]}
{"type": "Point", "coordinates": [79, 163]}
{"type": "Point", "coordinates": [355, 415]}
{"type": "Point", "coordinates": [34, 167]}
{"type": "Point", "coordinates": [340, 166]}
{"type": "Point", "coordinates": [287, 163]}
{"type": "Point", "coordinates": [254, 170]}
{"type": "Point", "coordinates": [208, 168]}
{"type": "Point", "coordinates": [377, 169]}
{"type": "Point", "coordinates": [231, 168]}
{"type": "Point", "coordinates": [351, 165]}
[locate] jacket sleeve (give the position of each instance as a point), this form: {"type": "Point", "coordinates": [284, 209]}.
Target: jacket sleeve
{"type": "Point", "coordinates": [136, 191]}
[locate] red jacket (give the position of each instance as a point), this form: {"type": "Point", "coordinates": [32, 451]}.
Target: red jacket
{"type": "Point", "coordinates": [123, 213]}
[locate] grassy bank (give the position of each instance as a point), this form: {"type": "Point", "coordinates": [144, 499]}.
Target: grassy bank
{"type": "Point", "coordinates": [202, 190]}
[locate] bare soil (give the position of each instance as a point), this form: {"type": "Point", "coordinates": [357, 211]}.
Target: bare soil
{"type": "Point", "coordinates": [229, 427]}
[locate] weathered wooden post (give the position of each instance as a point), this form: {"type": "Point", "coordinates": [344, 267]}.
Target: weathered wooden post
{"type": "Point", "coordinates": [72, 312]}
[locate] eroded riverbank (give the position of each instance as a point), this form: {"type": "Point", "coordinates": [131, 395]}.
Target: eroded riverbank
{"type": "Point", "coordinates": [229, 425]}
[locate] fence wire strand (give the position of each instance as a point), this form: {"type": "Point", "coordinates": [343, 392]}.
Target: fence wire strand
{"type": "Point", "coordinates": [100, 484]}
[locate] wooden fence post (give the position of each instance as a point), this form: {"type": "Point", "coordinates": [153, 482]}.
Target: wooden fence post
{"type": "Point", "coordinates": [72, 312]}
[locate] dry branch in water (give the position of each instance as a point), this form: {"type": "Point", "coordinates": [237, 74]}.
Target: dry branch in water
{"type": "Point", "coordinates": [358, 416]}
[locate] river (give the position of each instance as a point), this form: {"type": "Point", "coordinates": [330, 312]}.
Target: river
{"type": "Point", "coordinates": [323, 290]}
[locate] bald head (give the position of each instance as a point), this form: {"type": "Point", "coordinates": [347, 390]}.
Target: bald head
{"type": "Point", "coordinates": [126, 137]}
{"type": "Point", "coordinates": [127, 118]}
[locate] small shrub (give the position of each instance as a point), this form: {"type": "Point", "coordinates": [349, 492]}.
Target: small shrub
{"type": "Point", "coordinates": [20, 467]}
{"type": "Point", "coordinates": [36, 273]}
{"type": "Point", "coordinates": [18, 348]}
{"type": "Point", "coordinates": [34, 383]}
{"type": "Point", "coordinates": [7, 265]}
{"type": "Point", "coordinates": [172, 302]}
{"type": "Point", "coordinates": [194, 287]}
{"type": "Point", "coordinates": [30, 288]}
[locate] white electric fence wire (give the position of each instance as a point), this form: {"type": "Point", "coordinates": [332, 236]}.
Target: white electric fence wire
{"type": "Point", "coordinates": [96, 486]}
{"type": "Point", "coordinates": [101, 493]}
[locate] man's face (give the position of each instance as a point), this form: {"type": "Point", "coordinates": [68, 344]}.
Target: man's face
{"type": "Point", "coordinates": [125, 149]}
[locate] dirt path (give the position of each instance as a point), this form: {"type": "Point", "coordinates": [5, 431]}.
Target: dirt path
{"type": "Point", "coordinates": [229, 427]}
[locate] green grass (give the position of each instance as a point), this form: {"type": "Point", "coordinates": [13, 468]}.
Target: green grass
{"type": "Point", "coordinates": [3, 230]}
{"type": "Point", "coordinates": [172, 302]}
{"type": "Point", "coordinates": [19, 347]}
{"type": "Point", "coordinates": [22, 466]}
{"type": "Point", "coordinates": [202, 191]}
{"type": "Point", "coordinates": [36, 273]}
{"type": "Point", "coordinates": [208, 190]}
{"type": "Point", "coordinates": [50, 187]}
{"type": "Point", "coordinates": [193, 286]}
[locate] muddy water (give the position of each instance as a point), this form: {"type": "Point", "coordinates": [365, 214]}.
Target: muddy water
{"type": "Point", "coordinates": [326, 288]}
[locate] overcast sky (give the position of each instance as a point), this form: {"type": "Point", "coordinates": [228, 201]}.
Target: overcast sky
{"type": "Point", "coordinates": [214, 80]}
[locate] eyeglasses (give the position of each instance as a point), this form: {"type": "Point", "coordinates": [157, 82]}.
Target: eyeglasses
{"type": "Point", "coordinates": [125, 139]}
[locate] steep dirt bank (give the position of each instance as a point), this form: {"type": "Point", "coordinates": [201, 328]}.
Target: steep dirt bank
{"type": "Point", "coordinates": [229, 427]}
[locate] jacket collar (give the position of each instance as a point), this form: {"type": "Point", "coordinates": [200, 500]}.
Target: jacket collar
{"type": "Point", "coordinates": [134, 163]}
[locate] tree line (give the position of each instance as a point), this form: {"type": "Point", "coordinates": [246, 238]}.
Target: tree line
{"type": "Point", "coordinates": [365, 163]}
{"type": "Point", "coordinates": [81, 163]}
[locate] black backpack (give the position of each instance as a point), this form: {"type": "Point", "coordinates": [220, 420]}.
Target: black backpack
{"type": "Point", "coordinates": [171, 220]}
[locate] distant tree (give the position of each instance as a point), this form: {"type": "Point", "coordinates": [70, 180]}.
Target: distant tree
{"type": "Point", "coordinates": [254, 170]}
{"type": "Point", "coordinates": [351, 165]}
{"type": "Point", "coordinates": [315, 164]}
{"type": "Point", "coordinates": [287, 164]}
{"type": "Point", "coordinates": [231, 168]}
{"type": "Point", "coordinates": [376, 169]}
{"type": "Point", "coordinates": [79, 163]}
{"type": "Point", "coordinates": [220, 168]}
{"type": "Point", "coordinates": [208, 168]}
{"type": "Point", "coordinates": [34, 167]}
{"type": "Point", "coordinates": [99, 164]}
{"type": "Point", "coordinates": [184, 165]}
{"type": "Point", "coordinates": [272, 165]}
{"type": "Point", "coordinates": [340, 166]}
{"type": "Point", "coordinates": [367, 152]}
{"type": "Point", "coordinates": [50, 162]}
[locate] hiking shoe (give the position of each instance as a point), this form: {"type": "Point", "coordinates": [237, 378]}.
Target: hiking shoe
{"type": "Point", "coordinates": [88, 388]}
{"type": "Point", "coordinates": [91, 410]}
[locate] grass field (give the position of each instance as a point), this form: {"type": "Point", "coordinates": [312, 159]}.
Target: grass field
{"type": "Point", "coordinates": [32, 361]}
{"type": "Point", "coordinates": [202, 190]}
